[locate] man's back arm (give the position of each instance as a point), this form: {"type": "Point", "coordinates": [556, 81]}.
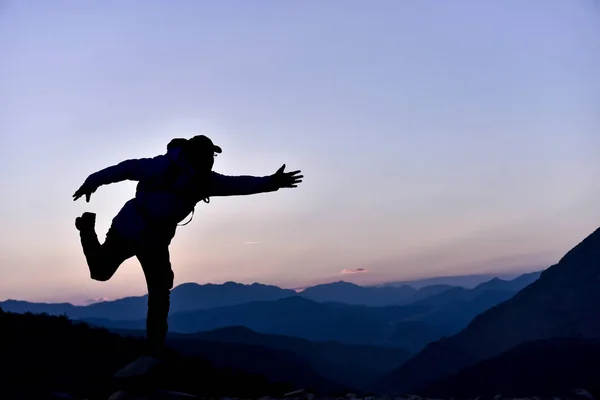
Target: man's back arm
{"type": "Point", "coordinates": [133, 170]}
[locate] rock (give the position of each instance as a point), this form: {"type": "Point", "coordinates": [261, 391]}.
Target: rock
{"type": "Point", "coordinates": [583, 393]}
{"type": "Point", "coordinates": [294, 393]}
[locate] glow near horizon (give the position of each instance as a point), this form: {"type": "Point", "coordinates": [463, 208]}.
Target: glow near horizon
{"type": "Point", "coordinates": [435, 138]}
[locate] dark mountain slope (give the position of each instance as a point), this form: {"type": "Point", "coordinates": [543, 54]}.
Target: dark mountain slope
{"type": "Point", "coordinates": [548, 368]}
{"type": "Point", "coordinates": [563, 302]}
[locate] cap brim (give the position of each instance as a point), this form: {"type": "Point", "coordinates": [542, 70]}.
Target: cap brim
{"type": "Point", "coordinates": [217, 149]}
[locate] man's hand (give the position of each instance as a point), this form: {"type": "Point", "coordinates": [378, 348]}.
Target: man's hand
{"type": "Point", "coordinates": [86, 190]}
{"type": "Point", "coordinates": [286, 179]}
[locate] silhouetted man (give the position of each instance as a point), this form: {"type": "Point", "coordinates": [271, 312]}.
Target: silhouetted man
{"type": "Point", "coordinates": [169, 186]}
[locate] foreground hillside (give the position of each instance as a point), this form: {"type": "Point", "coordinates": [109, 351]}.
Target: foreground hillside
{"type": "Point", "coordinates": [549, 367]}
{"type": "Point", "coordinates": [42, 354]}
{"type": "Point", "coordinates": [353, 366]}
{"type": "Point", "coordinates": [294, 316]}
{"type": "Point", "coordinates": [563, 302]}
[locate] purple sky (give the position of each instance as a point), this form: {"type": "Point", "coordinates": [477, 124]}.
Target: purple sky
{"type": "Point", "coordinates": [436, 138]}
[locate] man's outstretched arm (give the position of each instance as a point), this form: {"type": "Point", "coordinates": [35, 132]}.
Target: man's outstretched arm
{"type": "Point", "coordinates": [133, 170]}
{"type": "Point", "coordinates": [225, 185]}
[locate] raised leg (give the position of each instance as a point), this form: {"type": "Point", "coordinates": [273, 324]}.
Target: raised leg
{"type": "Point", "coordinates": [103, 260]}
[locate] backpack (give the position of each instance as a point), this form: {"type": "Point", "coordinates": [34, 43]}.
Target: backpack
{"type": "Point", "coordinates": [167, 180]}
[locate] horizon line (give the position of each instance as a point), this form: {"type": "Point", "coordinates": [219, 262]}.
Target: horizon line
{"type": "Point", "coordinates": [297, 289]}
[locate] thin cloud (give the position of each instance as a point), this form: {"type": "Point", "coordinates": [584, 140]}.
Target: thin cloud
{"type": "Point", "coordinates": [97, 300]}
{"type": "Point", "coordinates": [248, 242]}
{"type": "Point", "coordinates": [354, 271]}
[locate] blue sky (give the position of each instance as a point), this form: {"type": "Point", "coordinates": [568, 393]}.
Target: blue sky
{"type": "Point", "coordinates": [436, 138]}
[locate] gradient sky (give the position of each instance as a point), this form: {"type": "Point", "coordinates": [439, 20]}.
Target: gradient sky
{"type": "Point", "coordinates": [436, 137]}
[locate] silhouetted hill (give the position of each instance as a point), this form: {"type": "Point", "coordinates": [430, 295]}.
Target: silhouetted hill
{"type": "Point", "coordinates": [563, 302]}
{"type": "Point", "coordinates": [415, 335]}
{"type": "Point", "coordinates": [548, 367]}
{"type": "Point", "coordinates": [466, 281]}
{"type": "Point", "coordinates": [515, 284]}
{"type": "Point", "coordinates": [409, 327]}
{"type": "Point", "coordinates": [355, 366]}
{"type": "Point", "coordinates": [427, 291]}
{"type": "Point", "coordinates": [460, 294]}
{"type": "Point", "coordinates": [455, 314]}
{"type": "Point", "coordinates": [293, 316]}
{"type": "Point", "coordinates": [349, 293]}
{"type": "Point", "coordinates": [434, 311]}
{"type": "Point", "coordinates": [185, 297]}
{"type": "Point", "coordinates": [456, 307]}
{"type": "Point", "coordinates": [350, 365]}
{"type": "Point", "coordinates": [276, 365]}
{"type": "Point", "coordinates": [43, 354]}
{"type": "Point", "coordinates": [192, 296]}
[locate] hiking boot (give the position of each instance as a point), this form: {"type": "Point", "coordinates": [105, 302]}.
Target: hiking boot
{"type": "Point", "coordinates": [87, 222]}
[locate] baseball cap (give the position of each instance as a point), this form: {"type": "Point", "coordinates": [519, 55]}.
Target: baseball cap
{"type": "Point", "coordinates": [202, 142]}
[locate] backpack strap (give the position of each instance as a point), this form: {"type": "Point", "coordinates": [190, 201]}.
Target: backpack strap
{"type": "Point", "coordinates": [206, 200]}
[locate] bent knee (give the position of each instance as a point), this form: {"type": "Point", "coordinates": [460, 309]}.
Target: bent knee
{"type": "Point", "coordinates": [102, 275]}
{"type": "Point", "coordinates": [100, 278]}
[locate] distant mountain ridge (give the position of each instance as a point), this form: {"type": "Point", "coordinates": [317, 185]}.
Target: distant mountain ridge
{"type": "Point", "coordinates": [292, 316]}
{"type": "Point", "coordinates": [410, 327]}
{"type": "Point", "coordinates": [350, 293]}
{"type": "Point", "coordinates": [562, 302]}
{"type": "Point", "coordinates": [433, 313]}
{"type": "Point", "coordinates": [456, 307]}
{"type": "Point", "coordinates": [184, 297]}
{"type": "Point", "coordinates": [193, 296]}
{"type": "Point", "coordinates": [465, 281]}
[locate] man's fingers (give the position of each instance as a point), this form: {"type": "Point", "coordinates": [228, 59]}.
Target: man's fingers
{"type": "Point", "coordinates": [292, 183]}
{"type": "Point", "coordinates": [289, 179]}
{"type": "Point", "coordinates": [78, 194]}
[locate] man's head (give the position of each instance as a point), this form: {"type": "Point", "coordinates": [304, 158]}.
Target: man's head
{"type": "Point", "coordinates": [200, 152]}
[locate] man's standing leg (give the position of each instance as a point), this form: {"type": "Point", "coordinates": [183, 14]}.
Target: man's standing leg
{"type": "Point", "coordinates": [156, 264]}
{"type": "Point", "coordinates": [153, 255]}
